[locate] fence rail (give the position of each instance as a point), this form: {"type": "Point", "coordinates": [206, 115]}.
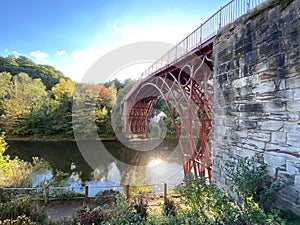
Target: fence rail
{"type": "Point", "coordinates": [47, 194]}
{"type": "Point", "coordinates": [227, 14]}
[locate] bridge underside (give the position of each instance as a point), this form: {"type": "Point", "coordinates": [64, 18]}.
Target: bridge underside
{"type": "Point", "coordinates": [186, 88]}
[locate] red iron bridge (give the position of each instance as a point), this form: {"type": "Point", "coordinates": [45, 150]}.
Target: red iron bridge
{"type": "Point", "coordinates": [183, 78]}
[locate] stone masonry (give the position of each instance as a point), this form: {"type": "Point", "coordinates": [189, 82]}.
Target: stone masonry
{"type": "Point", "coordinates": [257, 94]}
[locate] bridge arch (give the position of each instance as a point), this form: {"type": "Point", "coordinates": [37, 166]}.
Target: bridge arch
{"type": "Point", "coordinates": [184, 89]}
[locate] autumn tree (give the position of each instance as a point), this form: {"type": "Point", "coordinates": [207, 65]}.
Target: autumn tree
{"type": "Point", "coordinates": [24, 96]}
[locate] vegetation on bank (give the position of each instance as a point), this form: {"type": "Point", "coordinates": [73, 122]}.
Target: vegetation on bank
{"type": "Point", "coordinates": [248, 201]}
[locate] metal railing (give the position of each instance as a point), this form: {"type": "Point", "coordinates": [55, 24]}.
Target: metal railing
{"type": "Point", "coordinates": [226, 15]}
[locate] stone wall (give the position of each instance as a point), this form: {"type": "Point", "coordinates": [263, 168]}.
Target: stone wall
{"type": "Point", "coordinates": [257, 94]}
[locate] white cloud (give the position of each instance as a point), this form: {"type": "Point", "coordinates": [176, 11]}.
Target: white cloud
{"type": "Point", "coordinates": [40, 56]}
{"type": "Point", "coordinates": [61, 53]}
{"type": "Point", "coordinates": [16, 53]}
{"type": "Point", "coordinates": [80, 61]}
{"type": "Point", "coordinates": [6, 50]}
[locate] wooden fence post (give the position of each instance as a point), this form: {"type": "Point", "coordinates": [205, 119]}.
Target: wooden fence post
{"type": "Point", "coordinates": [86, 192]}
{"type": "Point", "coordinates": [127, 192]}
{"type": "Point", "coordinates": [46, 194]}
{"type": "Point", "coordinates": [1, 194]}
{"type": "Point", "coordinates": [165, 192]}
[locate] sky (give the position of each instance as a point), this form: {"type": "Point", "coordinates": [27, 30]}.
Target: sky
{"type": "Point", "coordinates": [72, 34]}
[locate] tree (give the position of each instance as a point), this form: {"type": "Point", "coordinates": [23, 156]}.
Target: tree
{"type": "Point", "coordinates": [61, 108]}
{"type": "Point", "coordinates": [65, 87]}
{"type": "Point", "coordinates": [4, 84]}
{"type": "Point", "coordinates": [48, 74]}
{"type": "Point", "coordinates": [25, 96]}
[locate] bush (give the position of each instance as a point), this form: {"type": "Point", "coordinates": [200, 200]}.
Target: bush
{"type": "Point", "coordinates": [205, 203]}
{"type": "Point", "coordinates": [13, 172]}
{"type": "Point", "coordinates": [87, 216]}
{"type": "Point", "coordinates": [16, 172]}
{"type": "Point", "coordinates": [124, 213]}
{"type": "Point", "coordinates": [22, 207]}
{"type": "Point", "coordinates": [249, 179]}
{"type": "Point", "coordinates": [21, 220]}
{"type": "Point", "coordinates": [169, 207]}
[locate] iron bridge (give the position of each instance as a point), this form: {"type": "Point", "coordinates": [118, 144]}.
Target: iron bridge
{"type": "Point", "coordinates": [182, 78]}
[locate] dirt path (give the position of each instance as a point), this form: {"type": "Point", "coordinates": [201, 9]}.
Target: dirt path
{"type": "Point", "coordinates": [58, 211]}
{"type": "Point", "coordinates": [62, 210]}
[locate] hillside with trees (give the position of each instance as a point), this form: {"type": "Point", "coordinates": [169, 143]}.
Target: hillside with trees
{"type": "Point", "coordinates": [37, 100]}
{"type": "Point", "coordinates": [48, 74]}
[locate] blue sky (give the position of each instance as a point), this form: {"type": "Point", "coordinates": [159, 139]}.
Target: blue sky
{"type": "Point", "coordinates": [72, 34]}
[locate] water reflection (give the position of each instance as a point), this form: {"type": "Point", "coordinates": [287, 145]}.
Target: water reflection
{"type": "Point", "coordinates": [151, 167]}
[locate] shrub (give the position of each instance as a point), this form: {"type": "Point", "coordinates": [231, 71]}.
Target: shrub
{"type": "Point", "coordinates": [250, 179]}
{"type": "Point", "coordinates": [169, 207]}
{"type": "Point", "coordinates": [87, 216]}
{"type": "Point", "coordinates": [13, 172]}
{"type": "Point", "coordinates": [21, 220]}
{"type": "Point", "coordinates": [22, 207]}
{"type": "Point", "coordinates": [124, 213]}
{"type": "Point", "coordinates": [205, 203]}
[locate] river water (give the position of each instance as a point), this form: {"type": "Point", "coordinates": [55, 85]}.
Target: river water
{"type": "Point", "coordinates": [123, 166]}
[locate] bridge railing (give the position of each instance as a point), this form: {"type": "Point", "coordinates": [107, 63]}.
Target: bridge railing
{"type": "Point", "coordinates": [226, 15]}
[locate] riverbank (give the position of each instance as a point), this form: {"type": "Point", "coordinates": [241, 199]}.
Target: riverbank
{"type": "Point", "coordinates": [54, 138]}
{"type": "Point", "coordinates": [61, 138]}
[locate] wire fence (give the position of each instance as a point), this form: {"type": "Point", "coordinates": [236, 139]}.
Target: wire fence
{"type": "Point", "coordinates": [47, 194]}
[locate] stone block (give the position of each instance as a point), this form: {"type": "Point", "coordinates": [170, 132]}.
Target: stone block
{"type": "Point", "coordinates": [278, 137]}
{"type": "Point", "coordinates": [293, 117]}
{"type": "Point", "coordinates": [293, 82]}
{"type": "Point", "coordinates": [283, 148]}
{"type": "Point", "coordinates": [285, 95]}
{"type": "Point", "coordinates": [275, 160]}
{"type": "Point", "coordinates": [276, 116]}
{"type": "Point", "coordinates": [297, 180]}
{"type": "Point", "coordinates": [259, 136]}
{"type": "Point", "coordinates": [297, 94]}
{"type": "Point", "coordinates": [291, 127]}
{"type": "Point", "coordinates": [242, 133]}
{"type": "Point", "coordinates": [274, 106]}
{"type": "Point", "coordinates": [264, 87]}
{"type": "Point", "coordinates": [293, 139]}
{"type": "Point", "coordinates": [292, 166]}
{"type": "Point", "coordinates": [271, 125]}
{"type": "Point", "coordinates": [272, 172]}
{"type": "Point", "coordinates": [262, 67]}
{"type": "Point", "coordinates": [253, 144]}
{"type": "Point", "coordinates": [293, 106]}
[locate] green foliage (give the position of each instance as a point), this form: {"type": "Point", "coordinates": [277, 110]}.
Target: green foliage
{"type": "Point", "coordinates": [13, 172]}
{"type": "Point", "coordinates": [65, 87]}
{"type": "Point", "coordinates": [250, 179]}
{"type": "Point", "coordinates": [124, 214]}
{"type": "Point", "coordinates": [25, 96]}
{"type": "Point", "coordinates": [22, 207]}
{"type": "Point", "coordinates": [49, 75]}
{"type": "Point", "coordinates": [205, 203]}
{"type": "Point", "coordinates": [169, 207]}
{"type": "Point", "coordinates": [64, 194]}
{"type": "Point", "coordinates": [21, 220]}
{"type": "Point", "coordinates": [37, 100]}
{"type": "Point", "coordinates": [86, 215]}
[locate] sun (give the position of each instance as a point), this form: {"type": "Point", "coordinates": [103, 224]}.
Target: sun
{"type": "Point", "coordinates": [155, 161]}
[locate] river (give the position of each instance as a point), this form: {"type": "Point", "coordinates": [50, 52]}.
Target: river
{"type": "Point", "coordinates": [113, 166]}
